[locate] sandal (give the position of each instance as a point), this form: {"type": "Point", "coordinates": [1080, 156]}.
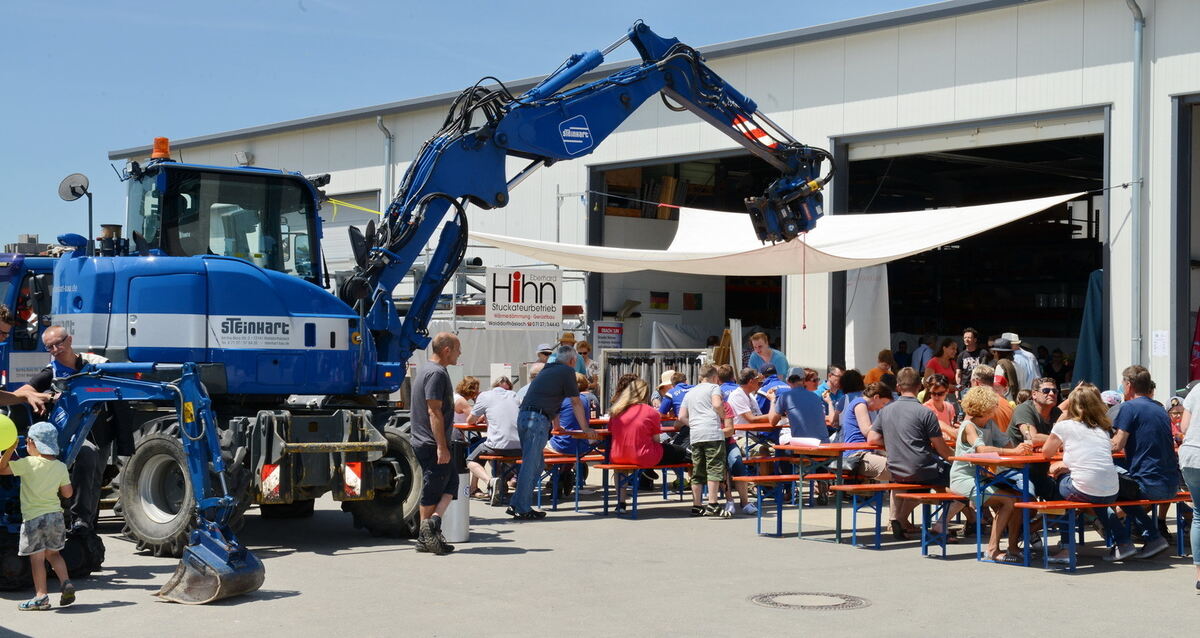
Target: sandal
{"type": "Point", "coordinates": [1005, 557]}
{"type": "Point", "coordinates": [68, 594]}
{"type": "Point", "coordinates": [898, 531]}
{"type": "Point", "coordinates": [35, 604]}
{"type": "Point", "coordinates": [480, 495]}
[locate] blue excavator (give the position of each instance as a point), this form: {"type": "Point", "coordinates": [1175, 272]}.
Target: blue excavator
{"type": "Point", "coordinates": [247, 379]}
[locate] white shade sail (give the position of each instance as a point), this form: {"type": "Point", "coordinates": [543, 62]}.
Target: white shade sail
{"type": "Point", "coordinates": [719, 243]}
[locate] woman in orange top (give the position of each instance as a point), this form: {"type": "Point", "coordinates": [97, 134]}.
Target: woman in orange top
{"type": "Point", "coordinates": [886, 365]}
{"type": "Point", "coordinates": [944, 361]}
{"type": "Point", "coordinates": [939, 387]}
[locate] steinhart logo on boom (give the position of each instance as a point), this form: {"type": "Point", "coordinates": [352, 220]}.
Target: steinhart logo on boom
{"type": "Point", "coordinates": [239, 326]}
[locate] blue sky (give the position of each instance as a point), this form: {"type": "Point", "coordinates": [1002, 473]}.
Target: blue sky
{"type": "Point", "coordinates": [83, 78]}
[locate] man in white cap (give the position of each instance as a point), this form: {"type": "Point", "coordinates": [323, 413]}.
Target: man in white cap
{"type": "Point", "coordinates": [672, 390]}
{"type": "Point", "coordinates": [1028, 369]}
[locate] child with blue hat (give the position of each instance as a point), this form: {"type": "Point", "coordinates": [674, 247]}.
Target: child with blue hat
{"type": "Point", "coordinates": [43, 533]}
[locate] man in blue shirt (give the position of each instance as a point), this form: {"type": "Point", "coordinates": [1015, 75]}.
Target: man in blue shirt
{"type": "Point", "coordinates": [804, 409]}
{"type": "Point", "coordinates": [672, 398]}
{"type": "Point", "coordinates": [763, 353]}
{"type": "Point", "coordinates": [1143, 431]}
{"type": "Point", "coordinates": [771, 382]}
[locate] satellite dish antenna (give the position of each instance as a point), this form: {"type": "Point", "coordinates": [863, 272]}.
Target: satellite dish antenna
{"type": "Point", "coordinates": [73, 187]}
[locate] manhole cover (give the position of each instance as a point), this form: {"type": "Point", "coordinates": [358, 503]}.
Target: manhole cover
{"type": "Point", "coordinates": [810, 601]}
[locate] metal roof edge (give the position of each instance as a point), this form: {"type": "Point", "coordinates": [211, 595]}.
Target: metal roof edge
{"type": "Point", "coordinates": [935, 11]}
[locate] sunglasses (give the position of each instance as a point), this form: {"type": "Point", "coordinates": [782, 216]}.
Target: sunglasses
{"type": "Point", "coordinates": [938, 394]}
{"type": "Point", "coordinates": [1048, 390]}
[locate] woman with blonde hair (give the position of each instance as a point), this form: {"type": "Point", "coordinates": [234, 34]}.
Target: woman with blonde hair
{"type": "Point", "coordinates": [979, 434]}
{"type": "Point", "coordinates": [584, 349]}
{"type": "Point", "coordinates": [634, 428]}
{"type": "Point", "coordinates": [1086, 474]}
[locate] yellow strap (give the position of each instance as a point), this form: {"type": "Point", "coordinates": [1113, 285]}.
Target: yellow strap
{"type": "Point", "coordinates": [338, 202]}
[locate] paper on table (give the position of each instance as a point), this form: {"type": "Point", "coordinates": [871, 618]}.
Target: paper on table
{"type": "Point", "coordinates": [987, 456]}
{"type": "Point", "coordinates": [805, 440]}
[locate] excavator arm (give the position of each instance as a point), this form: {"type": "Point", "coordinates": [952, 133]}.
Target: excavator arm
{"type": "Point", "coordinates": [215, 564]}
{"type": "Point", "coordinates": [464, 164]}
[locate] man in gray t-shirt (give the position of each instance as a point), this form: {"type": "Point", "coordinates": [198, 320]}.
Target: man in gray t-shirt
{"type": "Point", "coordinates": [431, 419]}
{"type": "Point", "coordinates": [703, 411]}
{"type": "Point", "coordinates": [911, 435]}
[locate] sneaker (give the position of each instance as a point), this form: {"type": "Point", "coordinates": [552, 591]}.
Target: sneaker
{"type": "Point", "coordinates": [1121, 552]}
{"type": "Point", "coordinates": [730, 509]}
{"type": "Point", "coordinates": [496, 491]}
{"type": "Point", "coordinates": [716, 510]}
{"type": "Point", "coordinates": [749, 508]}
{"type": "Point", "coordinates": [699, 510]}
{"type": "Point", "coordinates": [1153, 548]}
{"type": "Point", "coordinates": [35, 604]}
{"type": "Point", "coordinates": [1059, 560]}
{"type": "Point", "coordinates": [68, 594]}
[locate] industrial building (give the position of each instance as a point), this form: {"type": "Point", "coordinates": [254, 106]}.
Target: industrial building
{"type": "Point", "coordinates": [950, 104]}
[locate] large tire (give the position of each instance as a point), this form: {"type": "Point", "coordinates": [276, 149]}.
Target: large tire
{"type": "Point", "coordinates": [296, 509]}
{"type": "Point", "coordinates": [393, 515]}
{"type": "Point", "coordinates": [156, 496]}
{"type": "Point", "coordinates": [148, 537]}
{"type": "Point", "coordinates": [14, 570]}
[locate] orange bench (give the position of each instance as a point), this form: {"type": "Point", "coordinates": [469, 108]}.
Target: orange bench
{"type": "Point", "coordinates": [1062, 514]}
{"type": "Point", "coordinates": [777, 481]}
{"type": "Point", "coordinates": [634, 479]}
{"type": "Point", "coordinates": [935, 506]}
{"type": "Point", "coordinates": [874, 501]}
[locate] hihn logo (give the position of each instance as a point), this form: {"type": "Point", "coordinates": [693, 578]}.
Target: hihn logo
{"type": "Point", "coordinates": [518, 290]}
{"type": "Point", "coordinates": [576, 136]}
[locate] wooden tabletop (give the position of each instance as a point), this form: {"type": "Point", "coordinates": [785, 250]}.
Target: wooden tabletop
{"type": "Point", "coordinates": [758, 427]}
{"type": "Point", "coordinates": [478, 427]}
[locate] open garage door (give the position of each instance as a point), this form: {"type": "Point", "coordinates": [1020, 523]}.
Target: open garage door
{"type": "Point", "coordinates": [1029, 276]}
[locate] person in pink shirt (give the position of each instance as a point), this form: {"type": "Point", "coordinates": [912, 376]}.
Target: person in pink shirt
{"type": "Point", "coordinates": [634, 429]}
{"type": "Point", "coordinates": [939, 388]}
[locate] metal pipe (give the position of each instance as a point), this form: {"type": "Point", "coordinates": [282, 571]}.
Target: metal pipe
{"type": "Point", "coordinates": [1139, 23]}
{"type": "Point", "coordinates": [387, 163]}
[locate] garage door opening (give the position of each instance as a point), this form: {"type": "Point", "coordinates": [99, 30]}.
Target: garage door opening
{"type": "Point", "coordinates": [1029, 276]}
{"type": "Point", "coordinates": [627, 214]}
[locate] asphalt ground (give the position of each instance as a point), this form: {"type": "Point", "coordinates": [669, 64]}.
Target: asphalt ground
{"type": "Point", "coordinates": [586, 574]}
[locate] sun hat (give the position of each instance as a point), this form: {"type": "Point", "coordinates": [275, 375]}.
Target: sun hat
{"type": "Point", "coordinates": [1003, 344]}
{"type": "Point", "coordinates": [567, 337]}
{"type": "Point", "coordinates": [665, 379]}
{"type": "Point", "coordinates": [45, 436]}
{"type": "Point", "coordinates": [1111, 397]}
{"type": "Point", "coordinates": [1012, 337]}
{"type": "Point", "coordinates": [545, 347]}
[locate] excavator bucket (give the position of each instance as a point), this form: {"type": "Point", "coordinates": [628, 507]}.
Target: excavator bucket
{"type": "Point", "coordinates": [214, 566]}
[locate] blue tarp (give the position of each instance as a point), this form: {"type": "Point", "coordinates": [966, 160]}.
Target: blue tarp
{"type": "Point", "coordinates": [1089, 356]}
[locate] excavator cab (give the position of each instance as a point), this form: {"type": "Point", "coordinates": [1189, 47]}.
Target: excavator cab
{"type": "Point", "coordinates": [266, 217]}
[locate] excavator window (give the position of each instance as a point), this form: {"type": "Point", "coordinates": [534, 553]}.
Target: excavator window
{"type": "Point", "coordinates": [265, 219]}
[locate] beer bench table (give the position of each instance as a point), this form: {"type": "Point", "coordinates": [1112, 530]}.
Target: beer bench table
{"type": "Point", "coordinates": [935, 507]}
{"type": "Point", "coordinates": [630, 477]}
{"type": "Point", "coordinates": [776, 481]}
{"type": "Point", "coordinates": [1061, 514]}
{"type": "Point", "coordinates": [874, 502]}
{"type": "Point", "coordinates": [816, 459]}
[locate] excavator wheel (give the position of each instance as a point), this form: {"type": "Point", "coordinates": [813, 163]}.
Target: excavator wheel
{"type": "Point", "coordinates": [155, 494]}
{"type": "Point", "coordinates": [393, 515]}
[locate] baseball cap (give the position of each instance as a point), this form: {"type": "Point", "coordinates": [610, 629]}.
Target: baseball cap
{"type": "Point", "coordinates": [665, 378]}
{"type": "Point", "coordinates": [767, 369]}
{"type": "Point", "coordinates": [545, 347]}
{"type": "Point", "coordinates": [45, 436]}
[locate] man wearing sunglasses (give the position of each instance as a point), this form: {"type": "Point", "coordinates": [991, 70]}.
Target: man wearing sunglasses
{"type": "Point", "coordinates": [87, 470]}
{"type": "Point", "coordinates": [1032, 422]}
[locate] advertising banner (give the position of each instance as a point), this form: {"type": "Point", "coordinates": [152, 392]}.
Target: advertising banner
{"type": "Point", "coordinates": [524, 298]}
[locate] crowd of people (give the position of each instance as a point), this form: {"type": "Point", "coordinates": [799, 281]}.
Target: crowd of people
{"type": "Point", "coordinates": [949, 399]}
